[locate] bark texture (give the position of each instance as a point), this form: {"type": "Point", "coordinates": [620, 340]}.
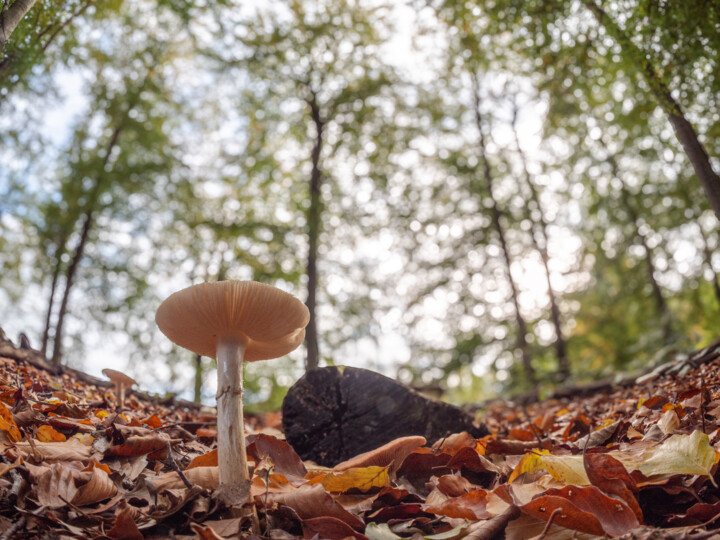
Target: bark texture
{"type": "Point", "coordinates": [313, 219]}
{"type": "Point", "coordinates": [332, 414]}
{"type": "Point", "coordinates": [496, 217]}
{"type": "Point", "coordinates": [684, 130]}
{"type": "Point", "coordinates": [10, 17]}
{"type": "Point", "coordinates": [540, 242]}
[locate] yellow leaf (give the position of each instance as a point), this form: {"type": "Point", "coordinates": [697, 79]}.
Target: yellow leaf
{"type": "Point", "coordinates": [48, 434]}
{"type": "Point", "coordinates": [679, 454]}
{"type": "Point", "coordinates": [361, 478]}
{"type": "Point", "coordinates": [101, 414]}
{"type": "Point", "coordinates": [566, 469]}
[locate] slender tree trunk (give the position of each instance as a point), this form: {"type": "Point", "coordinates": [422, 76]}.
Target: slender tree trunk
{"type": "Point", "coordinates": [496, 217]}
{"type": "Point", "coordinates": [660, 302]}
{"type": "Point", "coordinates": [69, 278]}
{"type": "Point", "coordinates": [707, 253]}
{"type": "Point", "coordinates": [79, 252]}
{"type": "Point", "coordinates": [10, 16]}
{"type": "Point", "coordinates": [540, 242]}
{"type": "Point", "coordinates": [684, 130]}
{"type": "Point", "coordinates": [313, 219]}
{"type": "Point", "coordinates": [51, 299]}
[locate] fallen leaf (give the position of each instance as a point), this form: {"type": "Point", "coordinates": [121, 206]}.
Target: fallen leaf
{"type": "Point", "coordinates": [329, 527]}
{"type": "Point", "coordinates": [285, 460]}
{"type": "Point", "coordinates": [471, 506]}
{"type": "Point", "coordinates": [138, 445]}
{"type": "Point", "coordinates": [360, 478]}
{"type": "Point", "coordinates": [565, 469]}
{"type": "Point", "coordinates": [70, 450]}
{"type": "Point", "coordinates": [124, 527]}
{"type": "Point", "coordinates": [313, 501]}
{"type": "Point", "coordinates": [99, 488]}
{"type": "Point", "coordinates": [48, 434]}
{"type": "Point", "coordinates": [209, 459]}
{"type": "Point", "coordinates": [390, 455]}
{"type": "Point", "coordinates": [56, 486]}
{"type": "Point", "coordinates": [8, 425]}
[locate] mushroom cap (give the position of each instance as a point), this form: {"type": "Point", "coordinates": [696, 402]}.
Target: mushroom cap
{"type": "Point", "coordinates": [270, 322]}
{"type": "Point", "coordinates": [118, 377]}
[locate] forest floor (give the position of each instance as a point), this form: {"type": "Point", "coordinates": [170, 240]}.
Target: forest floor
{"type": "Point", "coordinates": [637, 461]}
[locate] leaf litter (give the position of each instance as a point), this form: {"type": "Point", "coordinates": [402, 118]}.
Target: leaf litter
{"type": "Point", "coordinates": [638, 461]}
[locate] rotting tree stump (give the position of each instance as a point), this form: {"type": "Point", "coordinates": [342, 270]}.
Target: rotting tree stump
{"type": "Point", "coordinates": [332, 414]}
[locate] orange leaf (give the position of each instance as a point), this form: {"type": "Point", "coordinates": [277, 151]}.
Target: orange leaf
{"type": "Point", "coordinates": [153, 421]}
{"type": "Point", "coordinates": [7, 423]}
{"type": "Point", "coordinates": [48, 434]}
{"type": "Point", "coordinates": [94, 464]}
{"type": "Point", "coordinates": [206, 432]}
{"type": "Point", "coordinates": [210, 459]}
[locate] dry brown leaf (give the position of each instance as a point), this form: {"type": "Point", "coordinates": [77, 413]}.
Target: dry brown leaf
{"type": "Point", "coordinates": [138, 445]}
{"type": "Point", "coordinates": [56, 486]}
{"type": "Point", "coordinates": [390, 455]}
{"type": "Point", "coordinates": [70, 450]}
{"type": "Point", "coordinates": [99, 488]}
{"type": "Point", "coordinates": [313, 501]}
{"type": "Point", "coordinates": [204, 477]}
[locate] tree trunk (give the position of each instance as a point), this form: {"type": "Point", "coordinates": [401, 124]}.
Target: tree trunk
{"type": "Point", "coordinates": [708, 254]}
{"type": "Point", "coordinates": [313, 219]}
{"type": "Point", "coordinates": [79, 250]}
{"type": "Point", "coordinates": [11, 15]}
{"type": "Point", "coordinates": [69, 277]}
{"type": "Point", "coordinates": [540, 242]}
{"type": "Point", "coordinates": [684, 130]}
{"type": "Point", "coordinates": [658, 295]}
{"type": "Point", "coordinates": [496, 217]}
{"type": "Point", "coordinates": [51, 299]}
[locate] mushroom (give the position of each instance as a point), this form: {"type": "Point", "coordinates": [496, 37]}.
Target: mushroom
{"type": "Point", "coordinates": [233, 321]}
{"type": "Point", "coordinates": [121, 382]}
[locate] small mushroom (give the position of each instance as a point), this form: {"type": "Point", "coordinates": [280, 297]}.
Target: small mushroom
{"type": "Point", "coordinates": [121, 382]}
{"type": "Point", "coordinates": [233, 321]}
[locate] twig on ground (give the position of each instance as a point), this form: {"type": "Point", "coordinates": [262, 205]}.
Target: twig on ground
{"type": "Point", "coordinates": [174, 465]}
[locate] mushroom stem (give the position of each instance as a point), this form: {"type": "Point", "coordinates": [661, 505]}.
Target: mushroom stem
{"type": "Point", "coordinates": [121, 395]}
{"type": "Point", "coordinates": [232, 457]}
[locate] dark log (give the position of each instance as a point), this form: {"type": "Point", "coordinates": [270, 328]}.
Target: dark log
{"type": "Point", "coordinates": [332, 414]}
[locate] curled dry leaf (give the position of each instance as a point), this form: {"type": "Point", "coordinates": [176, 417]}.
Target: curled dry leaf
{"type": "Point", "coordinates": [99, 488]}
{"type": "Point", "coordinates": [471, 506]}
{"type": "Point", "coordinates": [285, 460]}
{"type": "Point", "coordinates": [390, 455]}
{"type": "Point", "coordinates": [204, 477]}
{"type": "Point", "coordinates": [138, 445]}
{"type": "Point", "coordinates": [313, 501]}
